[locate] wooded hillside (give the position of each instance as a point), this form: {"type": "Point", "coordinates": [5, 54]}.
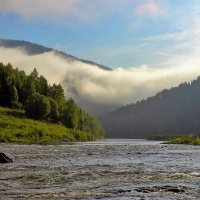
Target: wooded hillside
{"type": "Point", "coordinates": [170, 112]}
{"type": "Point", "coordinates": [42, 101]}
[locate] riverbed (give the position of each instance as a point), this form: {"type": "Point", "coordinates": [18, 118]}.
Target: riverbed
{"type": "Point", "coordinates": [111, 169]}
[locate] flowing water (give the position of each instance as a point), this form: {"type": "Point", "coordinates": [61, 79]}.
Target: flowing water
{"type": "Point", "coordinates": [111, 170]}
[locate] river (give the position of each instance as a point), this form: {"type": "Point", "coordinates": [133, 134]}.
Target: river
{"type": "Point", "coordinates": [111, 169]}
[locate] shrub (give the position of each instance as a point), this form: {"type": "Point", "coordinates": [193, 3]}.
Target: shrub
{"type": "Point", "coordinates": [37, 107]}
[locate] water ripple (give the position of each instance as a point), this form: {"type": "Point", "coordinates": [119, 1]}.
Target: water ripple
{"type": "Point", "coordinates": [113, 169]}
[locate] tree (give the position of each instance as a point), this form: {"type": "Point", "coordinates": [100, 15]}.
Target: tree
{"type": "Point", "coordinates": [42, 86]}
{"type": "Point", "coordinates": [28, 89]}
{"type": "Point", "coordinates": [70, 114]}
{"type": "Point", "coordinates": [6, 83]}
{"type": "Point", "coordinates": [34, 74]}
{"type": "Point", "coordinates": [13, 94]}
{"type": "Point", "coordinates": [54, 113]}
{"type": "Point", "coordinates": [42, 101]}
{"type": "Point", "coordinates": [56, 92]}
{"type": "Point", "coordinates": [14, 103]}
{"type": "Point", "coordinates": [90, 124]}
{"type": "Point", "coordinates": [37, 107]}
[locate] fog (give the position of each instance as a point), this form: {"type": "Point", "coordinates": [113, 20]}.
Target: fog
{"type": "Point", "coordinates": [100, 91]}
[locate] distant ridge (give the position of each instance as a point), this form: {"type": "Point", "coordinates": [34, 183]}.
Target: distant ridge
{"type": "Point", "coordinates": [34, 49]}
{"type": "Point", "coordinates": [171, 112]}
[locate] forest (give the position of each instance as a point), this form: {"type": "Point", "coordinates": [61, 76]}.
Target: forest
{"type": "Point", "coordinates": [172, 112]}
{"type": "Point", "coordinates": [42, 101]}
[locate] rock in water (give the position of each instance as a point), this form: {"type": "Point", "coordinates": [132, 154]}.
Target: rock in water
{"type": "Point", "coordinates": [5, 159]}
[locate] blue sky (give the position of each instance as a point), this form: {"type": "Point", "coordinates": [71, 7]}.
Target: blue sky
{"type": "Point", "coordinates": [125, 33]}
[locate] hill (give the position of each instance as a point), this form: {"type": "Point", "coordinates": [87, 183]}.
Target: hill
{"type": "Point", "coordinates": [41, 101]}
{"type": "Point", "coordinates": [34, 49]}
{"type": "Point", "coordinates": [16, 127]}
{"type": "Point", "coordinates": [170, 112]}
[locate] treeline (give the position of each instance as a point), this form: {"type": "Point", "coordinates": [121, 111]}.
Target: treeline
{"type": "Point", "coordinates": [43, 101]}
{"type": "Point", "coordinates": [170, 112]}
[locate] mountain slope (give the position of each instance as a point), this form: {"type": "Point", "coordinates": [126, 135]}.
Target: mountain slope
{"type": "Point", "coordinates": [34, 49]}
{"type": "Point", "coordinates": [172, 112]}
{"type": "Point", "coordinates": [75, 75]}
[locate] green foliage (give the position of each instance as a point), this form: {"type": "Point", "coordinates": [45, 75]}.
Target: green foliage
{"type": "Point", "coordinates": [188, 139]}
{"type": "Point", "coordinates": [37, 107]}
{"type": "Point", "coordinates": [6, 85]}
{"type": "Point", "coordinates": [54, 113]}
{"type": "Point", "coordinates": [56, 92]}
{"type": "Point", "coordinates": [15, 127]}
{"type": "Point", "coordinates": [70, 114]}
{"type": "Point", "coordinates": [89, 123]}
{"type": "Point", "coordinates": [34, 74]}
{"type": "Point", "coordinates": [42, 101]}
{"type": "Point", "coordinates": [42, 86]}
{"type": "Point", "coordinates": [75, 118]}
{"type": "Point", "coordinates": [13, 96]}
{"type": "Point", "coordinates": [28, 88]}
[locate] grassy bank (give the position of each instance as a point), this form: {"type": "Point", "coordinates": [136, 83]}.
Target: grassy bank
{"type": "Point", "coordinates": [188, 139]}
{"type": "Point", "coordinates": [15, 127]}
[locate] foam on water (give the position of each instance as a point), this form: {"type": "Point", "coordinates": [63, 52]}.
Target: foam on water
{"type": "Point", "coordinates": [111, 169]}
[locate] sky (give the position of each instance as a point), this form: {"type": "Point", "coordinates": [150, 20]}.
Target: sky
{"type": "Point", "coordinates": [150, 44]}
{"type": "Point", "coordinates": [116, 33]}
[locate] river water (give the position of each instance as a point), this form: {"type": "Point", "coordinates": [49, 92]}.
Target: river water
{"type": "Point", "coordinates": [111, 170]}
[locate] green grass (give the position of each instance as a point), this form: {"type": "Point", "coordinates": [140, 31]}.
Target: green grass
{"type": "Point", "coordinates": [15, 127]}
{"type": "Point", "coordinates": [188, 139]}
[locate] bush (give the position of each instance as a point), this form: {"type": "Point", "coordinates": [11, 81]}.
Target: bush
{"type": "Point", "coordinates": [37, 107]}
{"type": "Point", "coordinates": [187, 139]}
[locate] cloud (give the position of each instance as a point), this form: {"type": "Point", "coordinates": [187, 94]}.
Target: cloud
{"type": "Point", "coordinates": [150, 8]}
{"type": "Point", "coordinates": [100, 91]}
{"type": "Point", "coordinates": [65, 10]}
{"type": "Point", "coordinates": [80, 10]}
{"type": "Point", "coordinates": [187, 34]}
{"type": "Point", "coordinates": [49, 9]}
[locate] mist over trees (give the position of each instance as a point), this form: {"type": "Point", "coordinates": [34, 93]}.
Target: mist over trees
{"type": "Point", "coordinates": [172, 112]}
{"type": "Point", "coordinates": [43, 101]}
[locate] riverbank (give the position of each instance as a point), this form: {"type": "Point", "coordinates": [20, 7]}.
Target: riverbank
{"type": "Point", "coordinates": [187, 139]}
{"type": "Point", "coordinates": [160, 137]}
{"type": "Point", "coordinates": [16, 128]}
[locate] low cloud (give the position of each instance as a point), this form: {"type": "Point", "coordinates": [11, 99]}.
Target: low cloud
{"type": "Point", "coordinates": [99, 91]}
